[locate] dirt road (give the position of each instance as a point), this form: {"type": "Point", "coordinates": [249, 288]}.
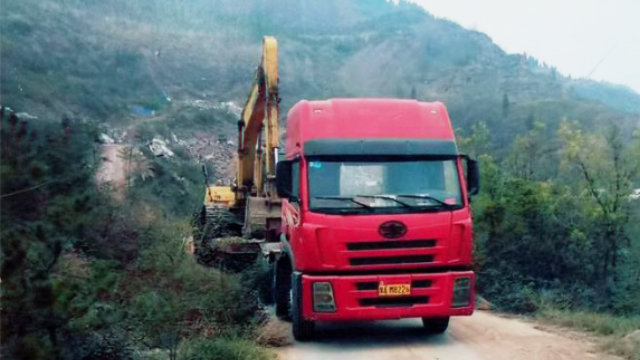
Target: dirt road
{"type": "Point", "coordinates": [112, 169]}
{"type": "Point", "coordinates": [484, 336]}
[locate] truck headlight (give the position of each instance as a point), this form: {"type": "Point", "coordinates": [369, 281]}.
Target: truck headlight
{"type": "Point", "coordinates": [461, 292]}
{"type": "Point", "coordinates": [323, 300]}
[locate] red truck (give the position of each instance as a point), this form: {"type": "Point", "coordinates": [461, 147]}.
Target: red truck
{"type": "Point", "coordinates": [376, 218]}
{"type": "Point", "coordinates": [367, 217]}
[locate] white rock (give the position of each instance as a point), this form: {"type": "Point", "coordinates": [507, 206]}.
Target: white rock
{"type": "Point", "coordinates": [25, 116]}
{"type": "Point", "coordinates": [106, 139]}
{"type": "Point", "coordinates": [159, 148]}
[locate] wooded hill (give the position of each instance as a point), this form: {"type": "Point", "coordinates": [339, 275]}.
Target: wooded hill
{"type": "Point", "coordinates": [100, 59]}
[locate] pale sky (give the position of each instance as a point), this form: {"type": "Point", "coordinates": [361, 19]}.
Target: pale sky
{"type": "Point", "coordinates": [595, 39]}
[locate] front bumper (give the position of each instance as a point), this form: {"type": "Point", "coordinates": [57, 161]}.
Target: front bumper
{"type": "Point", "coordinates": [356, 296]}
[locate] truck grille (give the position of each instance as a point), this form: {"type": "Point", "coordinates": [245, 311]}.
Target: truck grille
{"type": "Point", "coordinates": [404, 301]}
{"type": "Point", "coordinates": [367, 285]}
{"type": "Point", "coordinates": [398, 244]}
{"type": "Point", "coordinates": [384, 260]}
{"type": "Point", "coordinates": [421, 284]}
{"type": "Point", "coordinates": [373, 285]}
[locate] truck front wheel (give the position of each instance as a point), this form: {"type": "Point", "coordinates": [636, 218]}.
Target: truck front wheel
{"type": "Point", "coordinates": [435, 325]}
{"type": "Point", "coordinates": [302, 329]}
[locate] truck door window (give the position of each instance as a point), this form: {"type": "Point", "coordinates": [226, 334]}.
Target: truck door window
{"type": "Point", "coordinates": [295, 179]}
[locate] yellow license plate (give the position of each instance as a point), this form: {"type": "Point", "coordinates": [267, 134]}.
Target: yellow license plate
{"type": "Point", "coordinates": [394, 289]}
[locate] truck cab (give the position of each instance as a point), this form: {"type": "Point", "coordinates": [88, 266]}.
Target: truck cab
{"type": "Point", "coordinates": [376, 218]}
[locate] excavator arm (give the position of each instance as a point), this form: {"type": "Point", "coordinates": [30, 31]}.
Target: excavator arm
{"type": "Point", "coordinates": [255, 174]}
{"type": "Point", "coordinates": [253, 199]}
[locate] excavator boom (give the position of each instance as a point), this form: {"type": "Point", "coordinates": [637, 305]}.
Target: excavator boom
{"type": "Point", "coordinates": [253, 201]}
{"type": "Point", "coordinates": [255, 175]}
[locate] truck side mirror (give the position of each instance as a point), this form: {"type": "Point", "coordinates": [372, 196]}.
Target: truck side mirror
{"type": "Point", "coordinates": [283, 179]}
{"type": "Point", "coordinates": [473, 177]}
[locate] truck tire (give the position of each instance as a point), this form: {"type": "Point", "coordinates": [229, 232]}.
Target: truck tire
{"type": "Point", "coordinates": [266, 287]}
{"type": "Point", "coordinates": [302, 329]}
{"type": "Point", "coordinates": [435, 325]}
{"type": "Point", "coordinates": [282, 290]}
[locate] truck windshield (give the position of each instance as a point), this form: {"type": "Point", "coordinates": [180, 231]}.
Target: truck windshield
{"type": "Point", "coordinates": [383, 186]}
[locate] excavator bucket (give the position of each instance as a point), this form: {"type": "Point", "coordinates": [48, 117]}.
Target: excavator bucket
{"type": "Point", "coordinates": [262, 218]}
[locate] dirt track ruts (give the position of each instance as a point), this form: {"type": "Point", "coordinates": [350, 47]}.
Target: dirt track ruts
{"type": "Point", "coordinates": [483, 336]}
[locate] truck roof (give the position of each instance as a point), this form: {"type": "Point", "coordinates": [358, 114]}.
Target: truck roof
{"type": "Point", "coordinates": [365, 118]}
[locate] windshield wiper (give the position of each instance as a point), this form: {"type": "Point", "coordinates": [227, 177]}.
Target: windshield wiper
{"type": "Point", "coordinates": [426, 197]}
{"type": "Point", "coordinates": [344, 198]}
{"type": "Point", "coordinates": [386, 197]}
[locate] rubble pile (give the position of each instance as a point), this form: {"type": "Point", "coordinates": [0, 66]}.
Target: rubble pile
{"type": "Point", "coordinates": [217, 152]}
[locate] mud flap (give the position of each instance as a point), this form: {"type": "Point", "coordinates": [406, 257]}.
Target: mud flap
{"type": "Point", "coordinates": [302, 329]}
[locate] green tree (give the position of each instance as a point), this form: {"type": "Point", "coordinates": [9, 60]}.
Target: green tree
{"type": "Point", "coordinates": [478, 142]}
{"type": "Point", "coordinates": [505, 105]}
{"type": "Point", "coordinates": [608, 169]}
{"type": "Point", "coordinates": [47, 205]}
{"type": "Point", "coordinates": [531, 155]}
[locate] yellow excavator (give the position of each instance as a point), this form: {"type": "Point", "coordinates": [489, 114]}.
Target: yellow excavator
{"type": "Point", "coordinates": [250, 207]}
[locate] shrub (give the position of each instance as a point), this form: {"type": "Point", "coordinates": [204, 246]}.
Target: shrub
{"type": "Point", "coordinates": [221, 349]}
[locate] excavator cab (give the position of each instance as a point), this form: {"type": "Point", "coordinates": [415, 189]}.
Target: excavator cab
{"type": "Point", "coordinates": [219, 197]}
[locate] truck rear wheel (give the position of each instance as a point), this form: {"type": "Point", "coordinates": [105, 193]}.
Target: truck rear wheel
{"type": "Point", "coordinates": [302, 329]}
{"type": "Point", "coordinates": [282, 290]}
{"type": "Point", "coordinates": [435, 325]}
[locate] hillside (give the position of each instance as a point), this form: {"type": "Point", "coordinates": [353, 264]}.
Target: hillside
{"type": "Point", "coordinates": [118, 61]}
{"type": "Point", "coordinates": [118, 103]}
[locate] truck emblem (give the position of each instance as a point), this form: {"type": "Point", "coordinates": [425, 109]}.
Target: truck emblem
{"type": "Point", "coordinates": [392, 229]}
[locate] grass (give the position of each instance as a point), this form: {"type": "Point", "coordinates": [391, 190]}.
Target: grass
{"type": "Point", "coordinates": [599, 323]}
{"type": "Point", "coordinates": [222, 349]}
{"type": "Point", "coordinates": [274, 333]}
{"type": "Point", "coordinates": [622, 333]}
{"type": "Point", "coordinates": [629, 348]}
